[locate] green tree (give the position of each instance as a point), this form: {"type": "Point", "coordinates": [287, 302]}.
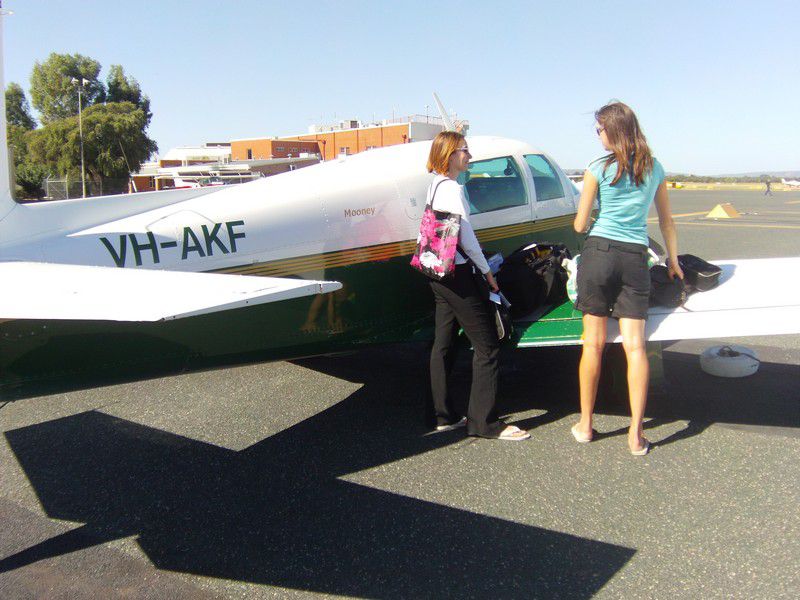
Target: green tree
{"type": "Point", "coordinates": [16, 143]}
{"type": "Point", "coordinates": [120, 88]}
{"type": "Point", "coordinates": [114, 140]}
{"type": "Point", "coordinates": [19, 122]}
{"type": "Point", "coordinates": [30, 177]}
{"type": "Point", "coordinates": [54, 93]}
{"type": "Point", "coordinates": [18, 112]}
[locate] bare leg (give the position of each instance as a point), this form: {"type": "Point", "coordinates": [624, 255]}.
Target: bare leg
{"type": "Point", "coordinates": [638, 376]}
{"type": "Point", "coordinates": [594, 340]}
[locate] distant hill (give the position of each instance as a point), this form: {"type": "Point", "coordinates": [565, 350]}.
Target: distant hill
{"type": "Point", "coordinates": [784, 174]}
{"type": "Point", "coordinates": [753, 177]}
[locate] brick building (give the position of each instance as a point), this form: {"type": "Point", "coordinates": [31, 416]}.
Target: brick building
{"type": "Point", "coordinates": [348, 137]}
{"type": "Point", "coordinates": [246, 159]}
{"type": "Point", "coordinates": [266, 148]}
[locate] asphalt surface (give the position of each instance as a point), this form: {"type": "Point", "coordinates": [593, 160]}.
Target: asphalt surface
{"type": "Point", "coordinates": [316, 478]}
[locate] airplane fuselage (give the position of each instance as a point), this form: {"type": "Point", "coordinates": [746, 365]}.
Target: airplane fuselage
{"type": "Point", "coordinates": [354, 221]}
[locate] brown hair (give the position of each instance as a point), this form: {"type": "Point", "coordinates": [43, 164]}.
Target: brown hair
{"type": "Point", "coordinates": [443, 146]}
{"type": "Point", "coordinates": [628, 145]}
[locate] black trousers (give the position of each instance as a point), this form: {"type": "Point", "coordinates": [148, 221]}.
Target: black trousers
{"type": "Point", "coordinates": [459, 301]}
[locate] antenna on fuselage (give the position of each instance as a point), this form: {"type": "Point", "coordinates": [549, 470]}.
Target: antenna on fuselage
{"type": "Point", "coordinates": [448, 124]}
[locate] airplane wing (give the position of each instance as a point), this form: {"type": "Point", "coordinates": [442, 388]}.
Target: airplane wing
{"type": "Point", "coordinates": [754, 297]}
{"type": "Point", "coordinates": [76, 292]}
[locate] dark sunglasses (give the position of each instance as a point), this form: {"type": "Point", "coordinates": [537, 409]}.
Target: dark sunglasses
{"type": "Point", "coordinates": [599, 130]}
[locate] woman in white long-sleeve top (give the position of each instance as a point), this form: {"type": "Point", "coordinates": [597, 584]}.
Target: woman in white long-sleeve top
{"type": "Point", "coordinates": [460, 301]}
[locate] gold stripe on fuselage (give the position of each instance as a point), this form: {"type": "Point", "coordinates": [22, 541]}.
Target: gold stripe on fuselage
{"type": "Point", "coordinates": [353, 256]}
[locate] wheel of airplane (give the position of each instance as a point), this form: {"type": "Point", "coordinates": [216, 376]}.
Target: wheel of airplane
{"type": "Point", "coordinates": [729, 361]}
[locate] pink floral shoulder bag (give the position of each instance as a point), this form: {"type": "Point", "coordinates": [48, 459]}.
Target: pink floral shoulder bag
{"type": "Point", "coordinates": [435, 255]}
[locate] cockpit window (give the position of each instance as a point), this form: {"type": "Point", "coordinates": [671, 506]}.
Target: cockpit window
{"type": "Point", "coordinates": [494, 184]}
{"type": "Point", "coordinates": [545, 179]}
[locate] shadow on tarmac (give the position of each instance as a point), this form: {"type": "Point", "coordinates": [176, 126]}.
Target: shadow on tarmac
{"type": "Point", "coordinates": [546, 379]}
{"type": "Point", "coordinates": [277, 513]}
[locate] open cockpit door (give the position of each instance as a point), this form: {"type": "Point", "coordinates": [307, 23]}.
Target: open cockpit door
{"type": "Point", "coordinates": [497, 194]}
{"type": "Point", "coordinates": [555, 195]}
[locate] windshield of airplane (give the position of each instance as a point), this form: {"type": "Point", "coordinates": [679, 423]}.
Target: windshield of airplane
{"type": "Point", "coordinates": [545, 179]}
{"type": "Point", "coordinates": [493, 184]}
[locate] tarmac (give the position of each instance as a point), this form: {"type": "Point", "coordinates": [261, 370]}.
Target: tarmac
{"type": "Point", "coordinates": [319, 478]}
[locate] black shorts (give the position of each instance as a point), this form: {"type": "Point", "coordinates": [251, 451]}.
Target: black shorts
{"type": "Point", "coordinates": [613, 279]}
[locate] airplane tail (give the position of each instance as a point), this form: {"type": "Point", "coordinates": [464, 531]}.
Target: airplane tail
{"type": "Point", "coordinates": [6, 198]}
{"type": "Point", "coordinates": [448, 124]}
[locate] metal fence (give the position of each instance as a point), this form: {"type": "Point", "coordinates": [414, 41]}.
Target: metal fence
{"type": "Point", "coordinates": [66, 188]}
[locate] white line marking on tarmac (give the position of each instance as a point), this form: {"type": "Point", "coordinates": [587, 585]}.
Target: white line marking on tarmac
{"type": "Point", "coordinates": [755, 225]}
{"type": "Point", "coordinates": [755, 213]}
{"type": "Point", "coordinates": [691, 214]}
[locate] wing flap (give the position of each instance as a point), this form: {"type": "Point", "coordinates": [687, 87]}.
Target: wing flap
{"type": "Point", "coordinates": [76, 292]}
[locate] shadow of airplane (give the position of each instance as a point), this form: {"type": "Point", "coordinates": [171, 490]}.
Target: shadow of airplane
{"type": "Point", "coordinates": [278, 513]}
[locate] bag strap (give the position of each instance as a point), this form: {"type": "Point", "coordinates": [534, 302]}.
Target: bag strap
{"type": "Point", "coordinates": [433, 194]}
{"type": "Point", "coordinates": [466, 258]}
{"type": "Point", "coordinates": [458, 246]}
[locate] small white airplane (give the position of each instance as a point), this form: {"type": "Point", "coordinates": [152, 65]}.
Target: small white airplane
{"type": "Point", "coordinates": [308, 262]}
{"type": "Point", "coordinates": [793, 183]}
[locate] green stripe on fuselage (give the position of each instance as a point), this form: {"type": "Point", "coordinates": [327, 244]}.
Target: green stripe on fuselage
{"type": "Point", "coordinates": [380, 302]}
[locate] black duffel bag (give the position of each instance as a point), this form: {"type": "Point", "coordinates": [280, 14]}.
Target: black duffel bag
{"type": "Point", "coordinates": [532, 276]}
{"type": "Point", "coordinates": [665, 291]}
{"type": "Point", "coordinates": [698, 274]}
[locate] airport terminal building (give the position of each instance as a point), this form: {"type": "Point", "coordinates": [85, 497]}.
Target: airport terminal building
{"type": "Point", "coordinates": [245, 159]}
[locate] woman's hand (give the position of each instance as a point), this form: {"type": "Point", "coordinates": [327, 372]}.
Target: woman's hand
{"type": "Point", "coordinates": [492, 283]}
{"type": "Point", "coordinates": [673, 269]}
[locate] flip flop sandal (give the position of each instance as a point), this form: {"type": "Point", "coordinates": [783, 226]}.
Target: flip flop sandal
{"type": "Point", "coordinates": [580, 437]}
{"type": "Point", "coordinates": [512, 433]}
{"type": "Point", "coordinates": [643, 450]}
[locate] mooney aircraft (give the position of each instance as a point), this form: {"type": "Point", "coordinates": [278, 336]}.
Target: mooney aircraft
{"type": "Point", "coordinates": [308, 262]}
{"type": "Point", "coordinates": [794, 183]}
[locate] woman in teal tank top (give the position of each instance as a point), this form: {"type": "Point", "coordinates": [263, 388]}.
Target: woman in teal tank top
{"type": "Point", "coordinates": [613, 277]}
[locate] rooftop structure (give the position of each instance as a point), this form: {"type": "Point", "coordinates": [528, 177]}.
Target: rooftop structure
{"type": "Point", "coordinates": [349, 136]}
{"type": "Point", "coordinates": [190, 155]}
{"type": "Point", "coordinates": [160, 176]}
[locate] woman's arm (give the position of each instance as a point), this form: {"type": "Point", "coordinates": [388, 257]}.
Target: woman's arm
{"type": "Point", "coordinates": [466, 236]}
{"type": "Point", "coordinates": [667, 225]}
{"type": "Point", "coordinates": [588, 194]}
{"type": "Point", "coordinates": [451, 198]}
{"type": "Point", "coordinates": [471, 247]}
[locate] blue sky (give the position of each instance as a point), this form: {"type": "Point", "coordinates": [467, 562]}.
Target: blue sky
{"type": "Point", "coordinates": [716, 85]}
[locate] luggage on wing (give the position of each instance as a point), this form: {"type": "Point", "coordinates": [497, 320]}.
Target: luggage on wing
{"type": "Point", "coordinates": [665, 291]}
{"type": "Point", "coordinates": [699, 274]}
{"type": "Point", "coordinates": [532, 276]}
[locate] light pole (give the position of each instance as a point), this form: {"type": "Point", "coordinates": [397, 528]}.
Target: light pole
{"type": "Point", "coordinates": [80, 83]}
